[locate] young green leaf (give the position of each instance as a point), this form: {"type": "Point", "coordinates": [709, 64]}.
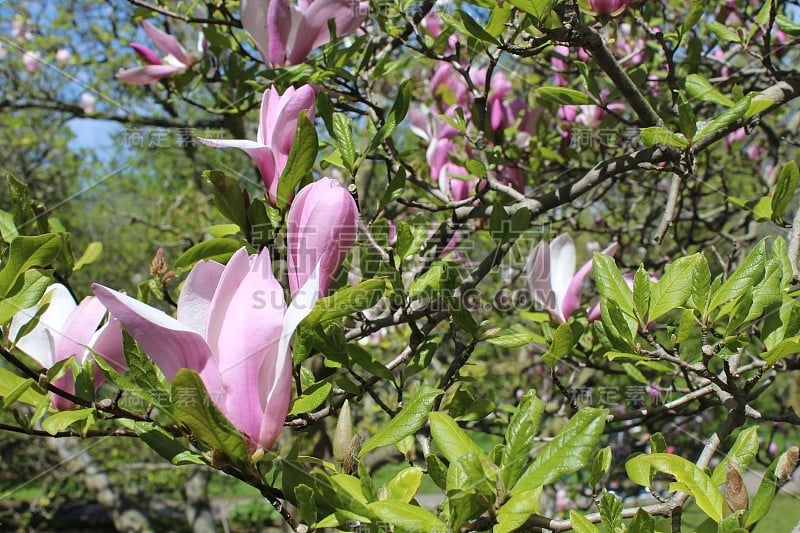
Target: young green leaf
{"type": "Point", "coordinates": [695, 482]}
{"type": "Point", "coordinates": [301, 159]}
{"type": "Point", "coordinates": [407, 422]}
{"type": "Point", "coordinates": [520, 434]}
{"type": "Point", "coordinates": [788, 181]}
{"type": "Point", "coordinates": [568, 452]}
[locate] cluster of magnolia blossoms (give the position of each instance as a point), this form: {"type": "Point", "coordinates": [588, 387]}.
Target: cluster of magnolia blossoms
{"type": "Point", "coordinates": [232, 325]}
{"type": "Point", "coordinates": [453, 94]}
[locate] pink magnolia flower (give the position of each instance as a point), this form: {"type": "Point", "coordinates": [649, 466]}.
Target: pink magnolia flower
{"type": "Point", "coordinates": [19, 30]}
{"type": "Point", "coordinates": [609, 7]}
{"type": "Point", "coordinates": [286, 33]}
{"type": "Point", "coordinates": [87, 102]}
{"type": "Point", "coordinates": [233, 329]}
{"type": "Point", "coordinates": [552, 279]}
{"type": "Point", "coordinates": [66, 329]}
{"type": "Point", "coordinates": [177, 59]}
{"type": "Point", "coordinates": [62, 56]}
{"type": "Point", "coordinates": [321, 228]}
{"type": "Point", "coordinates": [31, 61]}
{"type": "Point", "coordinates": [277, 123]}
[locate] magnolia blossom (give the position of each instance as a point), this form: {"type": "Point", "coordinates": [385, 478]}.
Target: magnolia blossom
{"type": "Point", "coordinates": [31, 61]}
{"type": "Point", "coordinates": [552, 279]}
{"type": "Point", "coordinates": [87, 102]}
{"type": "Point", "coordinates": [66, 329]}
{"type": "Point", "coordinates": [276, 128]}
{"type": "Point", "coordinates": [19, 30]}
{"type": "Point", "coordinates": [233, 329]}
{"type": "Point", "coordinates": [321, 228]}
{"type": "Point", "coordinates": [62, 55]}
{"type": "Point", "coordinates": [177, 59]}
{"type": "Point", "coordinates": [609, 7]}
{"type": "Point", "coordinates": [286, 33]}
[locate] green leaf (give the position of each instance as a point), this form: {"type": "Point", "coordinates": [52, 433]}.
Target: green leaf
{"type": "Point", "coordinates": [405, 517]}
{"type": "Point", "coordinates": [696, 10]}
{"type": "Point", "coordinates": [762, 501]}
{"type": "Point", "coordinates": [568, 452]}
{"type": "Point", "coordinates": [304, 496]}
{"type": "Point", "coordinates": [301, 159]}
{"type": "Point", "coordinates": [165, 444]}
{"type": "Point", "coordinates": [219, 250]}
{"type": "Point", "coordinates": [641, 293]}
{"type": "Point", "coordinates": [783, 349]}
{"type": "Point", "coordinates": [701, 285]}
{"type": "Point", "coordinates": [686, 117]}
{"type": "Point", "coordinates": [699, 88]}
{"type": "Point", "coordinates": [343, 133]}
{"type": "Point", "coordinates": [311, 398]}
{"type": "Point", "coordinates": [513, 340]}
{"type": "Point", "coordinates": [562, 96]}
{"type": "Point", "coordinates": [451, 439]}
{"type": "Point", "coordinates": [228, 197]}
{"type": "Point", "coordinates": [8, 230]}
{"type": "Point", "coordinates": [437, 470]}
{"type": "Point", "coordinates": [33, 286]}
{"type": "Point", "coordinates": [193, 407]}
{"type": "Point", "coordinates": [517, 510]}
{"type": "Point", "coordinates": [695, 482]}
{"type": "Point", "coordinates": [90, 255]}
{"type": "Point", "coordinates": [611, 284]}
{"type": "Point", "coordinates": [404, 485]}
{"type": "Point", "coordinates": [655, 135]}
{"type": "Point", "coordinates": [407, 422]}
{"type": "Point", "coordinates": [741, 454]}
{"type": "Point", "coordinates": [600, 465]}
{"type": "Point", "coordinates": [144, 374]}
{"type": "Point", "coordinates": [673, 288]}
{"type": "Point", "coordinates": [788, 25]}
{"type": "Point", "coordinates": [537, 8]}
{"type": "Point", "coordinates": [611, 512]}
{"type": "Point", "coordinates": [17, 390]}
{"type": "Point", "coordinates": [743, 278]}
{"type": "Point", "coordinates": [727, 119]}
{"type": "Point", "coordinates": [64, 419]}
{"type": "Point", "coordinates": [722, 32]}
{"type": "Point", "coordinates": [658, 443]}
{"type": "Point", "coordinates": [396, 187]}
{"type": "Point", "coordinates": [642, 523]}
{"type": "Point", "coordinates": [365, 360]}
{"type": "Point", "coordinates": [520, 434]}
{"type": "Point", "coordinates": [580, 524]}
{"type": "Point", "coordinates": [26, 253]}
{"type": "Point", "coordinates": [475, 29]}
{"type": "Point", "coordinates": [476, 168]}
{"type": "Point", "coordinates": [788, 181]}
{"type": "Point", "coordinates": [346, 301]}
{"type": "Point", "coordinates": [563, 341]}
{"type": "Point", "coordinates": [500, 15]}
{"type": "Point", "coordinates": [395, 116]}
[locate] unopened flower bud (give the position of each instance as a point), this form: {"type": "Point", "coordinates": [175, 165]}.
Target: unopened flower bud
{"type": "Point", "coordinates": [322, 226]}
{"type": "Point", "coordinates": [609, 7]}
{"type": "Point", "coordinates": [158, 266]}
{"type": "Point", "coordinates": [787, 464]}
{"type": "Point", "coordinates": [735, 491]}
{"type": "Point", "coordinates": [344, 433]}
